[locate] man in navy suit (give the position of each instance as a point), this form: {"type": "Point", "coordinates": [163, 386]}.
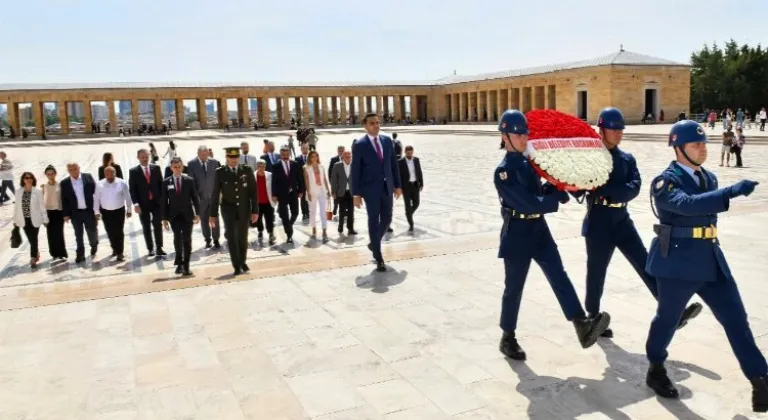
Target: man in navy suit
{"type": "Point", "coordinates": [375, 178]}
{"type": "Point", "coordinates": [77, 206]}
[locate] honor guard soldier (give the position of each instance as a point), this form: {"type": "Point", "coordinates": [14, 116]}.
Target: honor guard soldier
{"type": "Point", "coordinates": [235, 188]}
{"type": "Point", "coordinates": [686, 259]}
{"type": "Point", "coordinates": [525, 236]}
{"type": "Point", "coordinates": [607, 225]}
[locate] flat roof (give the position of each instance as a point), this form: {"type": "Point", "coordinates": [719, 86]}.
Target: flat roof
{"type": "Point", "coordinates": [620, 58]}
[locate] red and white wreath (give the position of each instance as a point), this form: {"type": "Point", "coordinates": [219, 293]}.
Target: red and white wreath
{"type": "Point", "coordinates": [567, 151]}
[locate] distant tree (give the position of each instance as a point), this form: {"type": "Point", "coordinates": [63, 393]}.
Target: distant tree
{"type": "Point", "coordinates": [735, 77]}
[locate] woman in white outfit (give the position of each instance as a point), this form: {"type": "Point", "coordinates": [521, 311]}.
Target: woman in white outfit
{"type": "Point", "coordinates": [318, 193]}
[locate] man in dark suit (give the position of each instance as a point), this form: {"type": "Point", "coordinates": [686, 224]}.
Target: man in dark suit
{"type": "Point", "coordinates": [413, 183]}
{"type": "Point", "coordinates": [77, 192]}
{"type": "Point", "coordinates": [302, 160]}
{"type": "Point", "coordinates": [375, 178]}
{"type": "Point", "coordinates": [340, 185]}
{"type": "Point", "coordinates": [202, 170]}
{"type": "Point", "coordinates": [181, 207]}
{"type": "Point", "coordinates": [235, 188]}
{"type": "Point", "coordinates": [145, 182]}
{"type": "Point", "coordinates": [287, 188]}
{"type": "Point", "coordinates": [270, 157]}
{"type": "Point", "coordinates": [334, 160]}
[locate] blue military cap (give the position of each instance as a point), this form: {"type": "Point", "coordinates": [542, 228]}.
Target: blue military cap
{"type": "Point", "coordinates": [686, 131]}
{"type": "Point", "coordinates": [611, 118]}
{"type": "Point", "coordinates": [513, 121]}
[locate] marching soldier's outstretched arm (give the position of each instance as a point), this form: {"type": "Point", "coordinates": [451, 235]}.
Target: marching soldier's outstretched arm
{"type": "Point", "coordinates": [522, 200]}
{"type": "Point", "coordinates": [670, 197]}
{"type": "Point", "coordinates": [216, 196]}
{"type": "Point", "coordinates": [626, 192]}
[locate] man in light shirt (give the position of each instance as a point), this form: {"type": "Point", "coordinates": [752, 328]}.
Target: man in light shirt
{"type": "Point", "coordinates": [340, 184]}
{"type": "Point", "coordinates": [246, 158]}
{"type": "Point", "coordinates": [112, 204]}
{"type": "Point", "coordinates": [6, 178]}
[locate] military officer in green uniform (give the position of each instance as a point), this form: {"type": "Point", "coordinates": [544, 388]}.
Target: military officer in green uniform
{"type": "Point", "coordinates": [235, 189]}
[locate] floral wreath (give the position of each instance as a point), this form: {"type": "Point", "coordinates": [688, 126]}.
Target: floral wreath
{"type": "Point", "coordinates": [567, 151]}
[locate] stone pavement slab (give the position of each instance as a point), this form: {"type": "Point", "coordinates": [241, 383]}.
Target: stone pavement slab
{"type": "Point", "coordinates": [315, 333]}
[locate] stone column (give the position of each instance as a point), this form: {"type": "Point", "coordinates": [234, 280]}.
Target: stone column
{"type": "Point", "coordinates": [202, 113]}
{"type": "Point", "coordinates": [243, 114]}
{"type": "Point", "coordinates": [286, 111]}
{"type": "Point", "coordinates": [319, 106]}
{"type": "Point", "coordinates": [38, 112]}
{"type": "Point", "coordinates": [221, 112]}
{"type": "Point", "coordinates": [324, 101]}
{"type": "Point", "coordinates": [385, 108]}
{"type": "Point", "coordinates": [499, 104]}
{"type": "Point", "coordinates": [368, 104]}
{"type": "Point", "coordinates": [61, 107]}
{"type": "Point", "coordinates": [305, 110]}
{"type": "Point", "coordinates": [335, 110]}
{"type": "Point", "coordinates": [462, 107]}
{"type": "Point", "coordinates": [158, 106]}
{"type": "Point", "coordinates": [264, 108]}
{"type": "Point", "coordinates": [414, 108]}
{"type": "Point", "coordinates": [13, 117]}
{"type": "Point", "coordinates": [343, 117]}
{"type": "Point", "coordinates": [87, 116]}
{"type": "Point", "coordinates": [181, 123]}
{"type": "Point", "coordinates": [482, 111]}
{"type": "Point", "coordinates": [380, 107]}
{"type": "Point", "coordinates": [398, 108]}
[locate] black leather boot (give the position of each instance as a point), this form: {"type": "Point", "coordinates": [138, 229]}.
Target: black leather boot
{"type": "Point", "coordinates": [508, 347]}
{"type": "Point", "coordinates": [659, 382]}
{"type": "Point", "coordinates": [692, 311]}
{"type": "Point", "coordinates": [760, 394]}
{"type": "Point", "coordinates": [590, 329]}
{"type": "Point", "coordinates": [608, 333]}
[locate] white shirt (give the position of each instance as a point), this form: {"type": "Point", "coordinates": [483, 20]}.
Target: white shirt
{"type": "Point", "coordinates": [763, 115]}
{"type": "Point", "coordinates": [347, 169]}
{"type": "Point", "coordinates": [6, 170]}
{"type": "Point", "coordinates": [111, 196]}
{"type": "Point", "coordinates": [411, 169]}
{"type": "Point", "coordinates": [77, 185]}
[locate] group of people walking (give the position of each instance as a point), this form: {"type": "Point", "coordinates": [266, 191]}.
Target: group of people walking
{"type": "Point", "coordinates": [684, 258]}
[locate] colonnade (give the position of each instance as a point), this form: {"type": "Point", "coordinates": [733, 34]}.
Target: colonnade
{"type": "Point", "coordinates": [487, 105]}
{"type": "Point", "coordinates": [325, 110]}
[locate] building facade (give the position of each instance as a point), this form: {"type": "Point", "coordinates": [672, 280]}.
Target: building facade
{"type": "Point", "coordinates": [635, 83]}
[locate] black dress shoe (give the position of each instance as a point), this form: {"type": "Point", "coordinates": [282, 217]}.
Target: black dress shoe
{"type": "Point", "coordinates": [79, 259]}
{"type": "Point", "coordinates": [370, 247]}
{"type": "Point", "coordinates": [272, 239]}
{"type": "Point", "coordinates": [237, 272]}
{"type": "Point", "coordinates": [759, 394]}
{"type": "Point", "coordinates": [410, 229]}
{"type": "Point", "coordinates": [608, 333]}
{"type": "Point", "coordinates": [390, 230]}
{"type": "Point", "coordinates": [659, 382]}
{"type": "Point", "coordinates": [160, 252]}
{"type": "Point", "coordinates": [509, 347]}
{"type": "Point", "coordinates": [114, 254]}
{"type": "Point", "coordinates": [245, 268]}
{"type": "Point", "coordinates": [261, 236]}
{"type": "Point", "coordinates": [186, 272]}
{"type": "Point", "coordinates": [151, 253]}
{"type": "Point", "coordinates": [94, 249]}
{"type": "Point", "coordinates": [380, 266]}
{"type": "Point", "coordinates": [216, 245]}
{"type": "Point", "coordinates": [351, 232]}
{"type": "Point", "coordinates": [120, 258]}
{"type": "Point", "coordinates": [341, 230]}
{"type": "Point", "coordinates": [590, 329]}
{"type": "Point", "coordinates": [208, 244]}
{"type": "Point", "coordinates": [179, 269]}
{"type": "Point", "coordinates": [692, 311]}
{"type": "Point", "coordinates": [289, 240]}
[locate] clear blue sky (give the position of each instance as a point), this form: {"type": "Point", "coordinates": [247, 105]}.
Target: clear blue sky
{"type": "Point", "coordinates": [337, 40]}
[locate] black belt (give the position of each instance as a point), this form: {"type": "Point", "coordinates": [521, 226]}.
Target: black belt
{"type": "Point", "coordinates": [699, 232]}
{"type": "Point", "coordinates": [605, 203]}
{"type": "Point", "coordinates": [517, 215]}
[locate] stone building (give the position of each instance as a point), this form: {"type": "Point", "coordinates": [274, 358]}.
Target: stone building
{"type": "Point", "coordinates": [635, 83]}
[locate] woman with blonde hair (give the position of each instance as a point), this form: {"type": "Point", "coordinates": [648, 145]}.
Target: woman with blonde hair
{"type": "Point", "coordinates": [317, 192]}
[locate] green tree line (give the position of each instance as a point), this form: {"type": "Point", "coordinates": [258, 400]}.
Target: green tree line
{"type": "Point", "coordinates": [730, 77]}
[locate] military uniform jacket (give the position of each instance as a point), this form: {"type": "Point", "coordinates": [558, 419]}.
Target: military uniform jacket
{"type": "Point", "coordinates": [623, 186]}
{"type": "Point", "coordinates": [235, 190]}
{"type": "Point", "coordinates": [681, 203]}
{"type": "Point", "coordinates": [520, 189]}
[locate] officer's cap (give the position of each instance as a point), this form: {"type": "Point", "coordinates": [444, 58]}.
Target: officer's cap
{"type": "Point", "coordinates": [611, 118]}
{"type": "Point", "coordinates": [513, 121]}
{"type": "Point", "coordinates": [686, 131]}
{"type": "Point", "coordinates": [233, 152]}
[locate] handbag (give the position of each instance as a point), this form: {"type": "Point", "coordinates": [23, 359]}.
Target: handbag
{"type": "Point", "coordinates": [15, 237]}
{"type": "Point", "coordinates": [329, 210]}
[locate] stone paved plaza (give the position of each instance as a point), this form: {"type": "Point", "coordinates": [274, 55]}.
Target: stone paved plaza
{"type": "Point", "coordinates": [314, 333]}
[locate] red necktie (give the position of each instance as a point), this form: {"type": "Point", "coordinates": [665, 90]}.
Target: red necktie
{"type": "Point", "coordinates": [378, 149]}
{"type": "Point", "coordinates": [146, 175]}
{"type": "Point", "coordinates": [178, 186]}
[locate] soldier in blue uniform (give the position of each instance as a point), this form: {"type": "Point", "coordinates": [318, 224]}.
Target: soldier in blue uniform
{"type": "Point", "coordinates": [525, 236]}
{"type": "Point", "coordinates": [607, 225]}
{"type": "Point", "coordinates": [686, 259]}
